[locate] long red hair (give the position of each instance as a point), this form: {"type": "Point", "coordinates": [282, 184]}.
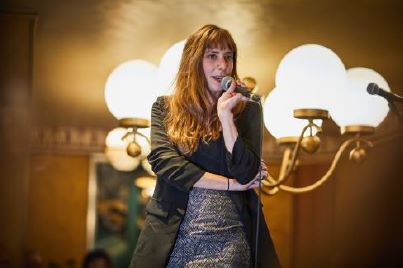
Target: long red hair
{"type": "Point", "coordinates": [191, 115]}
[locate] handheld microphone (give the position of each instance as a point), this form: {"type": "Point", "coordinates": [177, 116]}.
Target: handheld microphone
{"type": "Point", "coordinates": [374, 89]}
{"type": "Point", "coordinates": [226, 83]}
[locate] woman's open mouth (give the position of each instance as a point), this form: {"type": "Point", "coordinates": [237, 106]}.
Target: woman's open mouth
{"type": "Point", "coordinates": [218, 78]}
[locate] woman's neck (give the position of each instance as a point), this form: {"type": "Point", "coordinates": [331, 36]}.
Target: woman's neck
{"type": "Point", "coordinates": [213, 96]}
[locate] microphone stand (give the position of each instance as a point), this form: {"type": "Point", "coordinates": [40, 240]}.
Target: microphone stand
{"type": "Point", "coordinates": [397, 98]}
{"type": "Point", "coordinates": [390, 97]}
{"type": "Point", "coordinates": [393, 108]}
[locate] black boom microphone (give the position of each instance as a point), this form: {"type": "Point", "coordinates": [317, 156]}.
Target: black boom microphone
{"type": "Point", "coordinates": [374, 89]}
{"type": "Point", "coordinates": [226, 83]}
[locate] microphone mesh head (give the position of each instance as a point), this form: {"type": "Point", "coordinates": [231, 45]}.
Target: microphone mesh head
{"type": "Point", "coordinates": [226, 82]}
{"type": "Point", "coordinates": [372, 88]}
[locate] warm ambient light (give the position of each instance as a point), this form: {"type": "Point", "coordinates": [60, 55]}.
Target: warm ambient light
{"type": "Point", "coordinates": [169, 66]}
{"type": "Point", "coordinates": [147, 184]}
{"type": "Point", "coordinates": [313, 75]}
{"type": "Point", "coordinates": [311, 81]}
{"type": "Point", "coordinates": [143, 141]}
{"type": "Point", "coordinates": [358, 107]}
{"type": "Point", "coordinates": [131, 89]}
{"type": "Point", "coordinates": [279, 116]}
{"type": "Point", "coordinates": [117, 143]}
{"type": "Point", "coordinates": [115, 151]}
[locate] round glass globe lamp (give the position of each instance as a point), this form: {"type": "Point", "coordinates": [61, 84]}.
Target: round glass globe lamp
{"type": "Point", "coordinates": [279, 117]}
{"type": "Point", "coordinates": [356, 107]}
{"type": "Point", "coordinates": [169, 67]}
{"type": "Point", "coordinates": [131, 89]}
{"type": "Point", "coordinates": [313, 73]}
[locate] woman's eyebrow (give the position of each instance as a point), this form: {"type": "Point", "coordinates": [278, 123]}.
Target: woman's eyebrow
{"type": "Point", "coordinates": [212, 50]}
{"type": "Point", "coordinates": [216, 50]}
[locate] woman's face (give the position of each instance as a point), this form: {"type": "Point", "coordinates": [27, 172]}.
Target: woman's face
{"type": "Point", "coordinates": [217, 63]}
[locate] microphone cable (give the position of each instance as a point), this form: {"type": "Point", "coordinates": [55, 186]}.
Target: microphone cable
{"type": "Point", "coordinates": [258, 209]}
{"type": "Point", "coordinates": [225, 84]}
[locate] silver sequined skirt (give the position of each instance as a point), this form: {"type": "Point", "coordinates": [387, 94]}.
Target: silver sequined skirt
{"type": "Point", "coordinates": [211, 233]}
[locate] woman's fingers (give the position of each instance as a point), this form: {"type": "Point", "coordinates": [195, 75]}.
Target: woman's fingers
{"type": "Point", "coordinates": [232, 87]}
{"type": "Point", "coordinates": [230, 97]}
{"type": "Point", "coordinates": [254, 184]}
{"type": "Point", "coordinates": [227, 101]}
{"type": "Point", "coordinates": [263, 172]}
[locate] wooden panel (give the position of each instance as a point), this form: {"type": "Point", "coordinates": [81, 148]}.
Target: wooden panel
{"type": "Point", "coordinates": [58, 197]}
{"type": "Point", "coordinates": [278, 212]}
{"type": "Point", "coordinates": [313, 219]}
{"type": "Point", "coordinates": [356, 218]}
{"type": "Point", "coordinates": [16, 54]}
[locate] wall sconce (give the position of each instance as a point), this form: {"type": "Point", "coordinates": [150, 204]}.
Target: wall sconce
{"type": "Point", "coordinates": [115, 151]}
{"type": "Point", "coordinates": [118, 143]}
{"type": "Point", "coordinates": [311, 82]}
{"type": "Point", "coordinates": [130, 90]}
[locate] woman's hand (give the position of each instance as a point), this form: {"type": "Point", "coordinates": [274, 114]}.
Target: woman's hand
{"type": "Point", "coordinates": [263, 173]}
{"type": "Point", "coordinates": [236, 186]}
{"type": "Point", "coordinates": [228, 100]}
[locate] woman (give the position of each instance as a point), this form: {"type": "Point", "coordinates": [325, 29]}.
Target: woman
{"type": "Point", "coordinates": [205, 153]}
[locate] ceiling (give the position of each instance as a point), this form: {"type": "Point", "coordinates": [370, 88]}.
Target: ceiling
{"type": "Point", "coordinates": [78, 43]}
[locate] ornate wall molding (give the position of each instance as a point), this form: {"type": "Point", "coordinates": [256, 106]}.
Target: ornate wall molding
{"type": "Point", "coordinates": [88, 140]}
{"type": "Point", "coordinates": [68, 139]}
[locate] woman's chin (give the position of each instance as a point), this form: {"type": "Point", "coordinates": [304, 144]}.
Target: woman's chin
{"type": "Point", "coordinates": [216, 92]}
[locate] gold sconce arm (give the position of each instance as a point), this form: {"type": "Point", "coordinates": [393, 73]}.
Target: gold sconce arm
{"type": "Point", "coordinates": [142, 135]}
{"type": "Point", "coordinates": [289, 162]}
{"type": "Point", "coordinates": [134, 148]}
{"type": "Point", "coordinates": [132, 125]}
{"type": "Point", "coordinates": [310, 144]}
{"type": "Point", "coordinates": [275, 185]}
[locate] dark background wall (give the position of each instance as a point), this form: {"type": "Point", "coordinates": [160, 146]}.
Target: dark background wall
{"type": "Point", "coordinates": [16, 74]}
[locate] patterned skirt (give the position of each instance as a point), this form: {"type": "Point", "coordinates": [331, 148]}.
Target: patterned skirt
{"type": "Point", "coordinates": [211, 233]}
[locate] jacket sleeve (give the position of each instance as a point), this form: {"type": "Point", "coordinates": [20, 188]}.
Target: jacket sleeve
{"type": "Point", "coordinates": [244, 161]}
{"type": "Point", "coordinates": [165, 159]}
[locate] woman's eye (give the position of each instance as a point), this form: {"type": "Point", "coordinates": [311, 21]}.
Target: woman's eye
{"type": "Point", "coordinates": [212, 56]}
{"type": "Point", "coordinates": [228, 57]}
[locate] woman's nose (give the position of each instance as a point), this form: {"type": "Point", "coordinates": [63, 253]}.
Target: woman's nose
{"type": "Point", "coordinates": [222, 63]}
